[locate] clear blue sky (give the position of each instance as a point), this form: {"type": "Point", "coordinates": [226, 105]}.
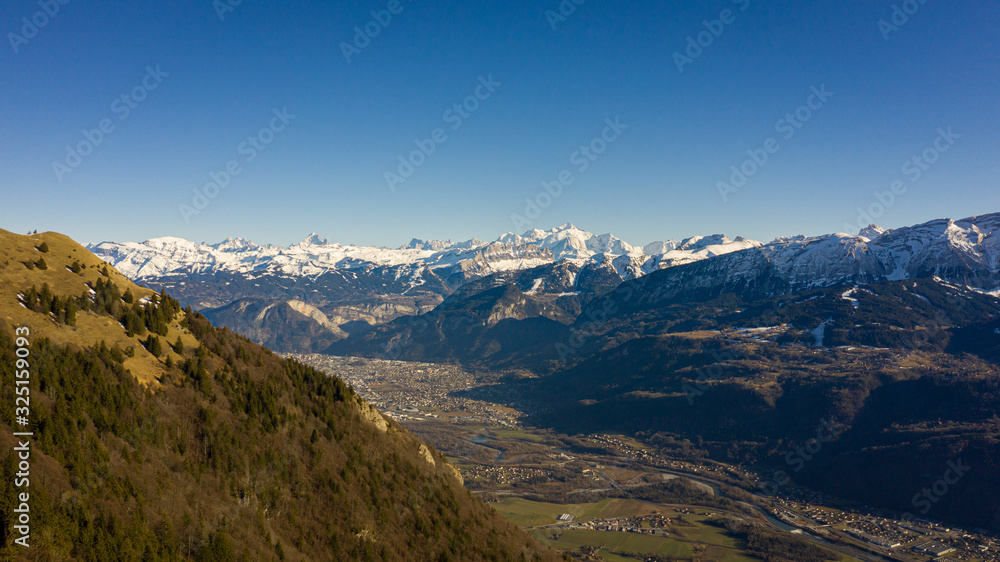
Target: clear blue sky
{"type": "Point", "coordinates": [325, 170]}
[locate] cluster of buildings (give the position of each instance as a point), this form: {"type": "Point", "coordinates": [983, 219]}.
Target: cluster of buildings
{"type": "Point", "coordinates": [504, 474]}
{"type": "Point", "coordinates": [625, 449]}
{"type": "Point", "coordinates": [920, 538]}
{"type": "Point", "coordinates": [714, 470]}
{"type": "Point", "coordinates": [874, 539]}
{"type": "Point", "coordinates": [416, 391]}
{"type": "Point", "coordinates": [654, 524]}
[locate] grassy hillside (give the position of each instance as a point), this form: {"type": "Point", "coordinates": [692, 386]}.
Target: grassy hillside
{"type": "Point", "coordinates": [205, 446]}
{"type": "Point", "coordinates": [62, 252]}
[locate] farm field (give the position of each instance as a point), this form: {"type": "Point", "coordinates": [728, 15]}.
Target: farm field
{"type": "Point", "coordinates": [526, 513]}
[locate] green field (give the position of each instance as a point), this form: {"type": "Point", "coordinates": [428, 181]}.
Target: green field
{"type": "Point", "coordinates": [527, 513]}
{"type": "Point", "coordinates": [518, 434]}
{"type": "Point", "coordinates": [611, 543]}
{"type": "Point", "coordinates": [617, 542]}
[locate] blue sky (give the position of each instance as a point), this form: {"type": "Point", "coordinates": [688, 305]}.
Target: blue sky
{"type": "Point", "coordinates": [208, 84]}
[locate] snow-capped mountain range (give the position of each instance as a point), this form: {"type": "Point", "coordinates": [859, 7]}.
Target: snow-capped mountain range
{"type": "Point", "coordinates": [962, 252]}
{"type": "Point", "coordinates": [162, 257]}
{"type": "Point", "coordinates": [336, 290]}
{"type": "Point", "coordinates": [968, 247]}
{"type": "Point", "coordinates": [637, 295]}
{"type": "Point", "coordinates": [965, 251]}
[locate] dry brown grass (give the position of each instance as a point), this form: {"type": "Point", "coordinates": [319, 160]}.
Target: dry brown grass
{"type": "Point", "coordinates": [90, 329]}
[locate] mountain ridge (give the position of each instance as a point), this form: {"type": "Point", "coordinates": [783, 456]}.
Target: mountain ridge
{"type": "Point", "coordinates": [162, 256]}
{"type": "Point", "coordinates": [359, 288]}
{"type": "Point", "coordinates": [966, 252]}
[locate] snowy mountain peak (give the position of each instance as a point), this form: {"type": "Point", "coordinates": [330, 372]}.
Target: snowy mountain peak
{"type": "Point", "coordinates": [418, 244]}
{"type": "Point", "coordinates": [872, 232]}
{"type": "Point", "coordinates": [169, 242]}
{"type": "Point", "coordinates": [441, 245]}
{"type": "Point", "coordinates": [660, 247]}
{"type": "Point", "coordinates": [698, 248]}
{"type": "Point", "coordinates": [234, 245]}
{"type": "Point", "coordinates": [702, 242]}
{"type": "Point", "coordinates": [568, 241]}
{"type": "Point", "coordinates": [314, 240]}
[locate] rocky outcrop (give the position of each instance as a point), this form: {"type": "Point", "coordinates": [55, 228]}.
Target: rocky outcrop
{"type": "Point", "coordinates": [373, 416]}
{"type": "Point", "coordinates": [426, 454]}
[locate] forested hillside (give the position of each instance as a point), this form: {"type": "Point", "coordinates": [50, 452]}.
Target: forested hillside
{"type": "Point", "coordinates": [220, 450]}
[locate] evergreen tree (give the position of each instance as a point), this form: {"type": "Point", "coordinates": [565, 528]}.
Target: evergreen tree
{"type": "Point", "coordinates": [154, 346]}
{"type": "Point", "coordinates": [58, 309]}
{"type": "Point", "coordinates": [45, 299]}
{"type": "Point", "coordinates": [30, 298]}
{"type": "Point", "coordinates": [70, 312]}
{"type": "Point", "coordinates": [219, 548]}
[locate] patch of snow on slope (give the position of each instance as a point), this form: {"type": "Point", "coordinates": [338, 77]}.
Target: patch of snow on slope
{"type": "Point", "coordinates": [534, 287]}
{"type": "Point", "coordinates": [848, 296]}
{"type": "Point", "coordinates": [820, 333]}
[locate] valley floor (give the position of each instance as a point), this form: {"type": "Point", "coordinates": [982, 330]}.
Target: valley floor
{"type": "Point", "coordinates": [620, 498]}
